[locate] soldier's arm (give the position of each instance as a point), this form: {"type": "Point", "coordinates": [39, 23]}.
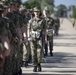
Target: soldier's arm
{"type": "Point", "coordinates": [28, 28]}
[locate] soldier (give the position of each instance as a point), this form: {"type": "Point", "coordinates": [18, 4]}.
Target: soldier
{"type": "Point", "coordinates": [14, 40]}
{"type": "Point", "coordinates": [26, 45]}
{"type": "Point", "coordinates": [7, 37]}
{"type": "Point", "coordinates": [49, 32]}
{"type": "Point", "coordinates": [6, 43]}
{"type": "Point", "coordinates": [56, 25]}
{"type": "Point", "coordinates": [19, 41]}
{"type": "Point", "coordinates": [35, 28]}
{"type": "Point", "coordinates": [2, 58]}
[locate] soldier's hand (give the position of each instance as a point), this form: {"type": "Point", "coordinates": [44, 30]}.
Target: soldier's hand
{"type": "Point", "coordinates": [6, 53]}
{"type": "Point", "coordinates": [46, 41]}
{"type": "Point", "coordinates": [25, 40]}
{"type": "Point", "coordinates": [21, 41]}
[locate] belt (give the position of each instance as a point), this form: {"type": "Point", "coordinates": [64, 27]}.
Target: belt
{"type": "Point", "coordinates": [35, 32]}
{"type": "Point", "coordinates": [49, 30]}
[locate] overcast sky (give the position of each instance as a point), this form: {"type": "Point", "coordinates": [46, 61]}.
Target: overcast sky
{"type": "Point", "coordinates": [65, 2]}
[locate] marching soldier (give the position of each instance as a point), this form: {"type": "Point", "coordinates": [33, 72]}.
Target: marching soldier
{"type": "Point", "coordinates": [4, 31]}
{"type": "Point", "coordinates": [49, 32]}
{"type": "Point", "coordinates": [2, 49]}
{"type": "Point", "coordinates": [56, 25]}
{"type": "Point", "coordinates": [18, 41]}
{"type": "Point", "coordinates": [36, 26]}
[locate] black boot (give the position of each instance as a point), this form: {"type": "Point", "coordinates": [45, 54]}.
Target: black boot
{"type": "Point", "coordinates": [23, 64]}
{"type": "Point", "coordinates": [51, 53]}
{"type": "Point", "coordinates": [16, 73]}
{"type": "Point", "coordinates": [39, 67]}
{"type": "Point", "coordinates": [35, 69]}
{"type": "Point", "coordinates": [20, 72]}
{"type": "Point", "coordinates": [46, 50]}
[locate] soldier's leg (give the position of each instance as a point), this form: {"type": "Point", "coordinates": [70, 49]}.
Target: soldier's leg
{"type": "Point", "coordinates": [43, 45]}
{"type": "Point", "coordinates": [57, 29]}
{"type": "Point", "coordinates": [7, 66]}
{"type": "Point", "coordinates": [20, 59]}
{"type": "Point", "coordinates": [1, 71]}
{"type": "Point", "coordinates": [51, 45]}
{"type": "Point", "coordinates": [46, 49]}
{"type": "Point", "coordinates": [34, 54]}
{"type": "Point", "coordinates": [28, 47]}
{"type": "Point", "coordinates": [15, 60]}
{"type": "Point", "coordinates": [39, 54]}
{"type": "Point", "coordinates": [25, 56]}
{"type": "Point", "coordinates": [7, 69]}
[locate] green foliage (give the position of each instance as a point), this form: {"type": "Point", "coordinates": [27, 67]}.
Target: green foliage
{"type": "Point", "coordinates": [39, 3]}
{"type": "Point", "coordinates": [31, 4]}
{"type": "Point", "coordinates": [62, 10]}
{"type": "Point", "coordinates": [26, 4]}
{"type": "Point", "coordinates": [48, 3]}
{"type": "Point", "coordinates": [74, 13]}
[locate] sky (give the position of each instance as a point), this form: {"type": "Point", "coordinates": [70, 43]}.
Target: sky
{"type": "Point", "coordinates": [65, 2]}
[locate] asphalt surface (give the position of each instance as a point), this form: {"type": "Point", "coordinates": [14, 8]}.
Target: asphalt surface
{"type": "Point", "coordinates": [63, 61]}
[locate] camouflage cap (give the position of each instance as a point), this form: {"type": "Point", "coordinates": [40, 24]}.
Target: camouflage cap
{"type": "Point", "coordinates": [1, 6]}
{"type": "Point", "coordinates": [36, 9]}
{"type": "Point", "coordinates": [46, 9]}
{"type": "Point", "coordinates": [5, 6]}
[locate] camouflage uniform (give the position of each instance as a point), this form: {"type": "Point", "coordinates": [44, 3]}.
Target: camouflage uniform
{"type": "Point", "coordinates": [15, 48]}
{"type": "Point", "coordinates": [49, 33]}
{"type": "Point", "coordinates": [13, 41]}
{"type": "Point", "coordinates": [56, 25]}
{"type": "Point", "coordinates": [26, 45]}
{"type": "Point", "coordinates": [2, 49]}
{"type": "Point", "coordinates": [36, 26]}
{"type": "Point", "coordinates": [7, 65]}
{"type": "Point", "coordinates": [17, 45]}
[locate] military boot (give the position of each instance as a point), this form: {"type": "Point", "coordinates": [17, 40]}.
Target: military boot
{"type": "Point", "coordinates": [26, 63]}
{"type": "Point", "coordinates": [46, 50]}
{"type": "Point", "coordinates": [20, 72]}
{"type": "Point", "coordinates": [39, 67]}
{"type": "Point", "coordinates": [23, 63]}
{"type": "Point", "coordinates": [35, 69]}
{"type": "Point", "coordinates": [51, 53]}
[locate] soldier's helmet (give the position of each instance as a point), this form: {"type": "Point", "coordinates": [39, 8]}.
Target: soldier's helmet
{"type": "Point", "coordinates": [36, 9]}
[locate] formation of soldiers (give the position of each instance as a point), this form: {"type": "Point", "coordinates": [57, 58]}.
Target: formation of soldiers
{"type": "Point", "coordinates": [23, 37]}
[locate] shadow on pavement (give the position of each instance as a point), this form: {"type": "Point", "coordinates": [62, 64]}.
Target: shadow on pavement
{"type": "Point", "coordinates": [61, 60]}
{"type": "Point", "coordinates": [45, 74]}
{"type": "Point", "coordinates": [66, 36]}
{"type": "Point", "coordinates": [65, 44]}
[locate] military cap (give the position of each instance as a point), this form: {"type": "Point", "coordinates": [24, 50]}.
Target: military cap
{"type": "Point", "coordinates": [5, 6]}
{"type": "Point", "coordinates": [46, 9]}
{"type": "Point", "coordinates": [36, 9]}
{"type": "Point", "coordinates": [1, 6]}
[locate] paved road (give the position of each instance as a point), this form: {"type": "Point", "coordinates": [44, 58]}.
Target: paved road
{"type": "Point", "coordinates": [64, 60]}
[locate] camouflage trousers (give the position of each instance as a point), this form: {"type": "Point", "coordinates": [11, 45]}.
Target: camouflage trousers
{"type": "Point", "coordinates": [1, 71]}
{"type": "Point", "coordinates": [36, 51]}
{"type": "Point", "coordinates": [26, 51]}
{"type": "Point", "coordinates": [50, 43]}
{"type": "Point", "coordinates": [17, 56]}
{"type": "Point", "coordinates": [7, 70]}
{"type": "Point", "coordinates": [8, 65]}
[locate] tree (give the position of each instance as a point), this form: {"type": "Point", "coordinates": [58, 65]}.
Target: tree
{"type": "Point", "coordinates": [74, 13]}
{"type": "Point", "coordinates": [39, 3]}
{"type": "Point", "coordinates": [31, 4]}
{"type": "Point", "coordinates": [49, 4]}
{"type": "Point", "coordinates": [62, 10]}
